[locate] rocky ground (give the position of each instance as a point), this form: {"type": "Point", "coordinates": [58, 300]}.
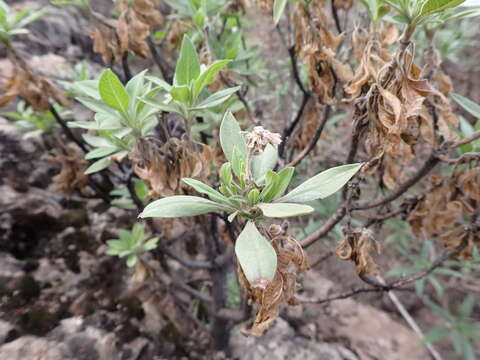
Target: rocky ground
{"type": "Point", "coordinates": [61, 297]}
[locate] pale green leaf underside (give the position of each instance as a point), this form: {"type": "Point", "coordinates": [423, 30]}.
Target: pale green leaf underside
{"type": "Point", "coordinates": [467, 104]}
{"type": "Point", "coordinates": [280, 210]}
{"type": "Point", "coordinates": [181, 205]}
{"type": "Point", "coordinates": [231, 137]}
{"type": "Point", "coordinates": [278, 9]}
{"type": "Point", "coordinates": [255, 254]}
{"type": "Point", "coordinates": [322, 185]}
{"type": "Point", "coordinates": [264, 162]}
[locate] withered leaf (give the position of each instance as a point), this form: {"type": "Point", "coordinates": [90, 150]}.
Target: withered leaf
{"type": "Point", "coordinates": [358, 247]}
{"type": "Point", "coordinates": [291, 260]}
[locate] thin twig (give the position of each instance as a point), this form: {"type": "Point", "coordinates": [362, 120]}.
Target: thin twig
{"type": "Point", "coordinates": [327, 226]}
{"type": "Point", "coordinates": [466, 140]}
{"type": "Point", "coordinates": [313, 140]}
{"type": "Point", "coordinates": [411, 322]}
{"type": "Point", "coordinates": [400, 190]}
{"type": "Point", "coordinates": [67, 130]}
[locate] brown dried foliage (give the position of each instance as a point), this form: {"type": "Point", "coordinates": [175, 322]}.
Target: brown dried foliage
{"type": "Point", "coordinates": [72, 174]}
{"type": "Point", "coordinates": [316, 45]}
{"type": "Point", "coordinates": [162, 166]}
{"type": "Point", "coordinates": [397, 106]}
{"type": "Point", "coordinates": [291, 260]}
{"type": "Point", "coordinates": [113, 38]}
{"type": "Point", "coordinates": [358, 247]}
{"type": "Point", "coordinates": [371, 50]}
{"type": "Point", "coordinates": [343, 4]}
{"type": "Point", "coordinates": [35, 89]}
{"type": "Point", "coordinates": [302, 134]}
{"type": "Point", "coordinates": [443, 211]}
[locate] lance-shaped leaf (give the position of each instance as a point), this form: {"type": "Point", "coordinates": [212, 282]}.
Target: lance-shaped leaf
{"type": "Point", "coordinates": [216, 98]}
{"type": "Point", "coordinates": [207, 76]}
{"type": "Point", "coordinates": [205, 189]}
{"type": "Point", "coordinates": [264, 162]}
{"type": "Point", "coordinates": [181, 205]}
{"type": "Point", "coordinates": [434, 6]}
{"type": "Point", "coordinates": [188, 64]}
{"type": "Point", "coordinates": [283, 180]}
{"type": "Point", "coordinates": [322, 185]}
{"type": "Point", "coordinates": [231, 137]}
{"type": "Point", "coordinates": [278, 9]}
{"type": "Point", "coordinates": [280, 210]}
{"type": "Point", "coordinates": [467, 104]}
{"type": "Point", "coordinates": [113, 92]}
{"type": "Point", "coordinates": [256, 255]}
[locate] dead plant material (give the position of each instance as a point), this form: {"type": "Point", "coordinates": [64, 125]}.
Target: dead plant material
{"type": "Point", "coordinates": [400, 108]}
{"type": "Point", "coordinates": [442, 212]}
{"type": "Point", "coordinates": [343, 4]}
{"type": "Point", "coordinates": [358, 247]}
{"type": "Point", "coordinates": [316, 45]}
{"type": "Point", "coordinates": [371, 50]}
{"type": "Point", "coordinates": [113, 38]}
{"type": "Point", "coordinates": [35, 89]}
{"type": "Point", "coordinates": [72, 174]}
{"type": "Point", "coordinates": [291, 260]}
{"type": "Point", "coordinates": [302, 134]}
{"type": "Point", "coordinates": [162, 166]}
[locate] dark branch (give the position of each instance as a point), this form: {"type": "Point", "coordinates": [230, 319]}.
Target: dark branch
{"type": "Point", "coordinates": [313, 140]}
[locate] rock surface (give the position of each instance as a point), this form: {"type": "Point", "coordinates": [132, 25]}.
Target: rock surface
{"type": "Point", "coordinates": [370, 331]}
{"type": "Point", "coordinates": [280, 342]}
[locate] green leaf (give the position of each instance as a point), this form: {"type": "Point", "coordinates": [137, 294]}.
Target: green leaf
{"type": "Point", "coordinates": [132, 260]}
{"type": "Point", "coordinates": [255, 254]}
{"type": "Point", "coordinates": [97, 106]}
{"type": "Point", "coordinates": [278, 9]}
{"type": "Point", "coordinates": [181, 93]}
{"type": "Point", "coordinates": [439, 310]}
{"type": "Point", "coordinates": [467, 306]}
{"type": "Point", "coordinates": [264, 162]}
{"type": "Point", "coordinates": [113, 93]}
{"type": "Point", "coordinates": [231, 137]}
{"type": "Point", "coordinates": [253, 196]}
{"type": "Point", "coordinates": [467, 104]}
{"type": "Point", "coordinates": [207, 76]}
{"type": "Point", "coordinates": [436, 335]}
{"type": "Point", "coordinates": [160, 82]}
{"type": "Point", "coordinates": [160, 105]}
{"type": "Point", "coordinates": [150, 244]}
{"type": "Point", "coordinates": [238, 163]}
{"type": "Point", "coordinates": [135, 86]}
{"type": "Point", "coordinates": [188, 64]}
{"type": "Point", "coordinates": [96, 141]}
{"type": "Point", "coordinates": [283, 180]}
{"type": "Point", "coordinates": [280, 210]}
{"type": "Point", "coordinates": [181, 205]}
{"type": "Point", "coordinates": [216, 98]}
{"type": "Point", "coordinates": [138, 232]}
{"type": "Point", "coordinates": [232, 216]}
{"type": "Point", "coordinates": [199, 18]}
{"type": "Point", "coordinates": [98, 166]}
{"type": "Point", "coordinates": [205, 189]}
{"type": "Point", "coordinates": [226, 173]}
{"type": "Point", "coordinates": [86, 87]}
{"type": "Point", "coordinates": [434, 6]}
{"type": "Point", "coordinates": [322, 185]}
{"type": "Point", "coordinates": [100, 152]}
{"type": "Point", "coordinates": [269, 190]}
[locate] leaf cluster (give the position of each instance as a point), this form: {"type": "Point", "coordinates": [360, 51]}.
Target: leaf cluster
{"type": "Point", "coordinates": [131, 244]}
{"type": "Point", "coordinates": [13, 24]}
